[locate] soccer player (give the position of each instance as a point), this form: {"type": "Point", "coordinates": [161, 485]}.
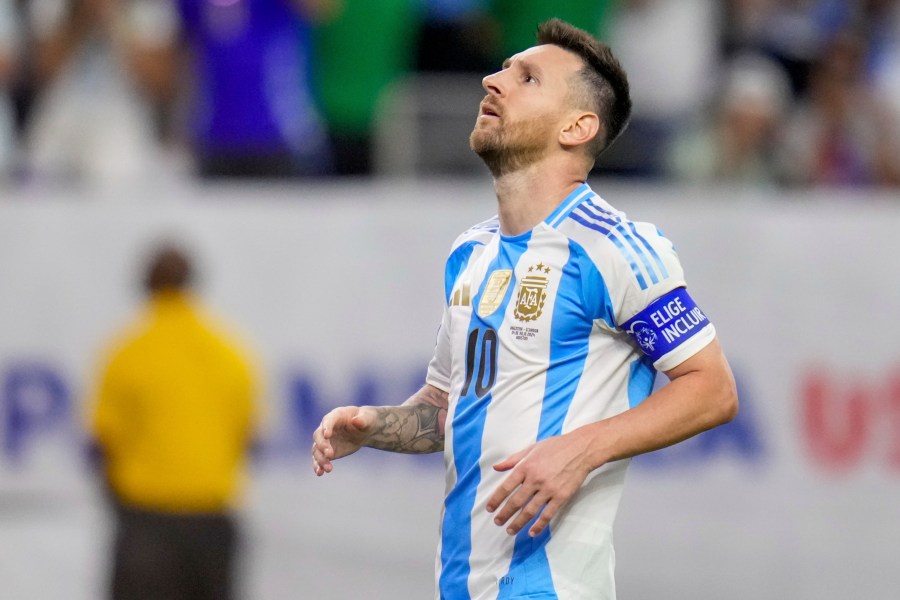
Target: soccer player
{"type": "Point", "coordinates": [559, 312]}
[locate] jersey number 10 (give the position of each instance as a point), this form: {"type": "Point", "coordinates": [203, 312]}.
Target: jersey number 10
{"type": "Point", "coordinates": [481, 353]}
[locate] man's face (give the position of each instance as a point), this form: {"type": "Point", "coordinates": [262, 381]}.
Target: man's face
{"type": "Point", "coordinates": [526, 106]}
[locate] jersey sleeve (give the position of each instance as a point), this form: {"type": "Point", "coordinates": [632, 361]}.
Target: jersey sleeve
{"type": "Point", "coordinates": [440, 366]}
{"type": "Point", "coordinates": [650, 299]}
{"type": "Point", "coordinates": [438, 374]}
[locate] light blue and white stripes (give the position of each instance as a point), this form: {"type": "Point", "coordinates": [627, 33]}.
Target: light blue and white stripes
{"type": "Point", "coordinates": [562, 211]}
{"type": "Point", "coordinates": [644, 261]}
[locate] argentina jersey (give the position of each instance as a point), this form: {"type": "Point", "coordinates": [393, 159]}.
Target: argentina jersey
{"type": "Point", "coordinates": [542, 333]}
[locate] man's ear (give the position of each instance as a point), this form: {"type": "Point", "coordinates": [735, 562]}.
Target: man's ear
{"type": "Point", "coordinates": [581, 130]}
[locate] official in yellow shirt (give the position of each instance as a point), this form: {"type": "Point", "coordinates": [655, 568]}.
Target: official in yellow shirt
{"type": "Point", "coordinates": [173, 420]}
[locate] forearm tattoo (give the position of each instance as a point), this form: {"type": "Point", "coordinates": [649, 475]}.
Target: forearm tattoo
{"type": "Point", "coordinates": [411, 429]}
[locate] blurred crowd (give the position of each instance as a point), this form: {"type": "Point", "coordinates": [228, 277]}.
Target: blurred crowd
{"type": "Point", "coordinates": [750, 92]}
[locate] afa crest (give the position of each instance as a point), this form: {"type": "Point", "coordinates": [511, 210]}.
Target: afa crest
{"type": "Point", "coordinates": [532, 293]}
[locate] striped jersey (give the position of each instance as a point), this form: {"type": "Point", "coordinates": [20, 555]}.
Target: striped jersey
{"type": "Point", "coordinates": [542, 333]}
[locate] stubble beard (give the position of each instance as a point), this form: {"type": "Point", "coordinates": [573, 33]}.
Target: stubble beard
{"type": "Point", "coordinates": [510, 147]}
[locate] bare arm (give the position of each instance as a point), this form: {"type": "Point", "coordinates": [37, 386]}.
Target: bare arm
{"type": "Point", "coordinates": [415, 427]}
{"type": "Point", "coordinates": [545, 475]}
{"type": "Point", "coordinates": [700, 395]}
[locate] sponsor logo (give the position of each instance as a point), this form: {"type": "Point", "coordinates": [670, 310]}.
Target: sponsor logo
{"type": "Point", "coordinates": [462, 296]}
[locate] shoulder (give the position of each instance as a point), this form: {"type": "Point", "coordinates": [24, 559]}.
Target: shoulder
{"type": "Point", "coordinates": [225, 334]}
{"type": "Point", "coordinates": [610, 238]}
{"type": "Point", "coordinates": [230, 348]}
{"type": "Point", "coordinates": [124, 350]}
{"type": "Point", "coordinates": [463, 247]}
{"type": "Point", "coordinates": [635, 261]}
{"type": "Point", "coordinates": [477, 234]}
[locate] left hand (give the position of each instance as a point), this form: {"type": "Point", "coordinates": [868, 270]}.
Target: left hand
{"type": "Point", "coordinates": [543, 477]}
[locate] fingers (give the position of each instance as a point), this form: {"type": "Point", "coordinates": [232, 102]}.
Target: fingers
{"type": "Point", "coordinates": [503, 492]}
{"type": "Point", "coordinates": [363, 419]}
{"type": "Point", "coordinates": [544, 518]}
{"type": "Point", "coordinates": [509, 484]}
{"type": "Point", "coordinates": [522, 507]}
{"type": "Point", "coordinates": [536, 506]}
{"type": "Point", "coordinates": [534, 490]}
{"type": "Point", "coordinates": [508, 463]}
{"type": "Point", "coordinates": [322, 449]}
{"type": "Point", "coordinates": [339, 434]}
{"type": "Point", "coordinates": [321, 464]}
{"type": "Point", "coordinates": [520, 502]}
{"type": "Point", "coordinates": [321, 453]}
{"type": "Point", "coordinates": [326, 428]}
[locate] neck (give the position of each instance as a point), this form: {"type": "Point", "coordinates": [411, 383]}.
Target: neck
{"type": "Point", "coordinates": [169, 296]}
{"type": "Point", "coordinates": [527, 196]}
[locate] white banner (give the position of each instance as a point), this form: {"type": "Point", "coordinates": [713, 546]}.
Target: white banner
{"type": "Point", "coordinates": [339, 287]}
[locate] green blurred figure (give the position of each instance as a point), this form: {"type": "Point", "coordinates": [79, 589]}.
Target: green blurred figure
{"type": "Point", "coordinates": [362, 47]}
{"type": "Point", "coordinates": [518, 19]}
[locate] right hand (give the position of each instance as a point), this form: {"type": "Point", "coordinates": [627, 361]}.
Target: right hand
{"type": "Point", "coordinates": [342, 432]}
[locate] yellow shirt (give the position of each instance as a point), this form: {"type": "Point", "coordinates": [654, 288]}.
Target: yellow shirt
{"type": "Point", "coordinates": [175, 411]}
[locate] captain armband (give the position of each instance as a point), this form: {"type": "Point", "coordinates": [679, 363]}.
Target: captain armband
{"type": "Point", "coordinates": [667, 323]}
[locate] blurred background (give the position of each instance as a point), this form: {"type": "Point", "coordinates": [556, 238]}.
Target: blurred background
{"type": "Point", "coordinates": [313, 155]}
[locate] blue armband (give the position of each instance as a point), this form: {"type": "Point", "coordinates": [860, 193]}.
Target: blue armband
{"type": "Point", "coordinates": [667, 323]}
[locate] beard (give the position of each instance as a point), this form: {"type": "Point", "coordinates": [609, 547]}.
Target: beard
{"type": "Point", "coordinates": [509, 147]}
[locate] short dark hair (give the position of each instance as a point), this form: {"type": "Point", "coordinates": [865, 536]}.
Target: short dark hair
{"type": "Point", "coordinates": [169, 268]}
{"type": "Point", "coordinates": [603, 81]}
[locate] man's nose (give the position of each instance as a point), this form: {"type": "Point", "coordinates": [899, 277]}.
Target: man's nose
{"type": "Point", "coordinates": [492, 85]}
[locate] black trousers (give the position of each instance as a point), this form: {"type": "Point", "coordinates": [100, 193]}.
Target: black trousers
{"type": "Point", "coordinates": [160, 556]}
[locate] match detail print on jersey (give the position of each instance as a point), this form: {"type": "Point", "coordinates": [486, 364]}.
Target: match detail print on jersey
{"type": "Point", "coordinates": [668, 322]}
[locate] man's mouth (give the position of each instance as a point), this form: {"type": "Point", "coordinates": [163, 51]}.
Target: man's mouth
{"type": "Point", "coordinates": [489, 111]}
